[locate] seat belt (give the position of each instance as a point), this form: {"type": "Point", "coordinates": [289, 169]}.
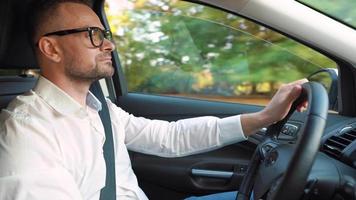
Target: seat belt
{"type": "Point", "coordinates": [109, 191]}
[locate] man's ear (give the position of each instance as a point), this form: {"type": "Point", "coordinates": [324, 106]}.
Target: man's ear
{"type": "Point", "coordinates": [50, 49]}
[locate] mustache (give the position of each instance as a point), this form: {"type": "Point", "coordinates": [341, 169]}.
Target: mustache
{"type": "Point", "coordinates": [103, 55]}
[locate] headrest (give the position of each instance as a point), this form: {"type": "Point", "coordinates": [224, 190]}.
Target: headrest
{"type": "Point", "coordinates": [15, 49]}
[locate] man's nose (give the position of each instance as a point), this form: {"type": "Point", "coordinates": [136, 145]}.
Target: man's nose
{"type": "Point", "coordinates": [108, 45]}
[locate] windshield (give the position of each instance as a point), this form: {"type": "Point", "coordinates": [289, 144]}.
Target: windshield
{"type": "Point", "coordinates": [341, 10]}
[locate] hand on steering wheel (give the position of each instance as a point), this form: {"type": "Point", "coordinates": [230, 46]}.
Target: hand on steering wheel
{"type": "Point", "coordinates": [269, 169]}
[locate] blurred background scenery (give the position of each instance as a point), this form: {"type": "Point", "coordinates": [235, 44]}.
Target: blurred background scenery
{"type": "Point", "coordinates": [171, 47]}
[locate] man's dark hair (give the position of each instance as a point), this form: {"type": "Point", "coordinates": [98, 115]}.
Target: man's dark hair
{"type": "Point", "coordinates": [41, 10]}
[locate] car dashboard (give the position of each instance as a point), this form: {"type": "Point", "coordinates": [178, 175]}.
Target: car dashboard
{"type": "Point", "coordinates": [334, 171]}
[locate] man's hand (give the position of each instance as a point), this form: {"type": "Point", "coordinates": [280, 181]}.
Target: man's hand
{"type": "Point", "coordinates": [276, 109]}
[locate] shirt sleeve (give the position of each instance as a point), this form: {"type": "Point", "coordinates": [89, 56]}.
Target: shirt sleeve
{"type": "Point", "coordinates": [29, 165]}
{"type": "Point", "coordinates": [179, 138]}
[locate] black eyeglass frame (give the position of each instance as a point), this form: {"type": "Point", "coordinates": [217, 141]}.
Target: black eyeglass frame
{"type": "Point", "coordinates": [105, 33]}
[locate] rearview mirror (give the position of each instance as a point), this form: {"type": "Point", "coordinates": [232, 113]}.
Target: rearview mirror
{"type": "Point", "coordinates": [328, 78]}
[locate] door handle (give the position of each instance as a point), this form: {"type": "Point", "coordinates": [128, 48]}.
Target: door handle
{"type": "Point", "coordinates": [212, 173]}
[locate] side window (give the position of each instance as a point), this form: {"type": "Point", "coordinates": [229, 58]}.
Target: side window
{"type": "Point", "coordinates": [184, 49]}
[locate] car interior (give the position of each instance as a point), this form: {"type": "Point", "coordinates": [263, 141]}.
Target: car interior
{"type": "Point", "coordinates": [308, 155]}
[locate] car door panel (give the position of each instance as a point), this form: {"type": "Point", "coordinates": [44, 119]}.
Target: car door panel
{"type": "Point", "coordinates": [214, 171]}
{"type": "Point", "coordinates": [176, 174]}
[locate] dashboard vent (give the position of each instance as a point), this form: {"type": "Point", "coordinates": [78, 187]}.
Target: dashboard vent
{"type": "Point", "coordinates": [335, 144]}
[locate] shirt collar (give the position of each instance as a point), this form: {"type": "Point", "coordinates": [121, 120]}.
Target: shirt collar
{"type": "Point", "coordinates": [61, 101]}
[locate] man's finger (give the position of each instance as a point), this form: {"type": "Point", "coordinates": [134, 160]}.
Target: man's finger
{"type": "Point", "coordinates": [299, 82]}
{"type": "Point", "coordinates": [302, 107]}
{"type": "Point", "coordinates": [296, 91]}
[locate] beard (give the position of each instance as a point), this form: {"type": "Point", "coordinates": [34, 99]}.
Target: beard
{"type": "Point", "coordinates": [99, 70]}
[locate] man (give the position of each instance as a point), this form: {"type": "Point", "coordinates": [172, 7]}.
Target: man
{"type": "Point", "coordinates": [51, 138]}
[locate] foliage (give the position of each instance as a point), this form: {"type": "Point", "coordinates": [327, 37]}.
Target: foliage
{"type": "Point", "coordinates": [179, 47]}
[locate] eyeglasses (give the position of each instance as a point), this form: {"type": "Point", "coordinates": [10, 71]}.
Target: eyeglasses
{"type": "Point", "coordinates": [96, 34]}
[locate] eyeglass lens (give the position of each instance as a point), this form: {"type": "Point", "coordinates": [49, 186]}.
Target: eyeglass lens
{"type": "Point", "coordinates": [98, 35]}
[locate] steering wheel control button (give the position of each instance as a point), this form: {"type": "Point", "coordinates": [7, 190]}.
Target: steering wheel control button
{"type": "Point", "coordinates": [289, 129]}
{"type": "Point", "coordinates": [288, 132]}
{"type": "Point", "coordinates": [271, 158]}
{"type": "Point", "coordinates": [266, 148]}
{"type": "Point", "coordinates": [292, 130]}
{"type": "Point", "coordinates": [285, 130]}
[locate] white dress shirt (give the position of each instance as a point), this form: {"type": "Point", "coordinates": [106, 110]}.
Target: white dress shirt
{"type": "Point", "coordinates": [51, 147]}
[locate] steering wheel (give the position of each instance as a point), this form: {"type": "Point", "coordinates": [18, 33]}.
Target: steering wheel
{"type": "Point", "coordinates": [269, 173]}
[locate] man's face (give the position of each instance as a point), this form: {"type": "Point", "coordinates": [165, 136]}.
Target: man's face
{"type": "Point", "coordinates": [80, 59]}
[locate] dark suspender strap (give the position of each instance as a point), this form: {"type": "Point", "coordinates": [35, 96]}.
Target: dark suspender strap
{"type": "Point", "coordinates": [109, 191]}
